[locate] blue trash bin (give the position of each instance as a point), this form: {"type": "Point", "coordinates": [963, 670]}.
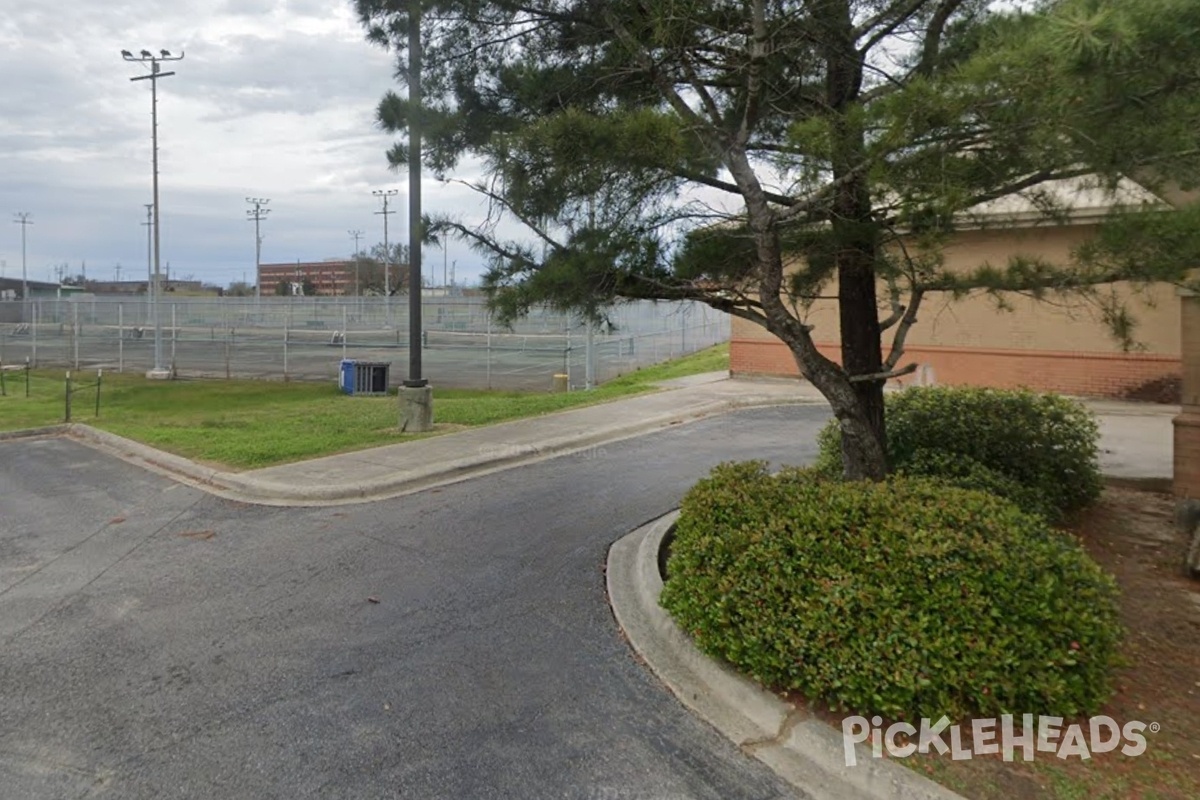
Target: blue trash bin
{"type": "Point", "coordinates": [346, 374]}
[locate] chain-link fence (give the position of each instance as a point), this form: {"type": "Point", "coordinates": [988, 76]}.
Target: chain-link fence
{"type": "Point", "coordinates": [304, 338]}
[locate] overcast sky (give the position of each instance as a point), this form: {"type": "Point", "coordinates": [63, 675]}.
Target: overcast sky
{"type": "Point", "coordinates": [275, 99]}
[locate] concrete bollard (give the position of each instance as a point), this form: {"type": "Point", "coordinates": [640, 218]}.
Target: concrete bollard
{"type": "Point", "coordinates": [416, 409]}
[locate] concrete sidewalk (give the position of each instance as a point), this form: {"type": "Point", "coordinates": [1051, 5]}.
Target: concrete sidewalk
{"type": "Point", "coordinates": [1135, 440]}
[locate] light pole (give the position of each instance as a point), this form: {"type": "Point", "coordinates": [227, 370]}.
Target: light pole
{"type": "Point", "coordinates": [146, 57]}
{"type": "Point", "coordinates": [149, 223]}
{"type": "Point", "coordinates": [356, 235]}
{"type": "Point", "coordinates": [387, 194]}
{"type": "Point", "coordinates": [416, 395]}
{"type": "Point", "coordinates": [256, 216]}
{"type": "Point", "coordinates": [24, 221]}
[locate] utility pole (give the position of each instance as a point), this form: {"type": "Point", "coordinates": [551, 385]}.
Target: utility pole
{"type": "Point", "coordinates": [24, 221]}
{"type": "Point", "coordinates": [257, 216]}
{"type": "Point", "coordinates": [146, 57]}
{"type": "Point", "coordinates": [117, 269]}
{"type": "Point", "coordinates": [356, 235]}
{"type": "Point", "coordinates": [386, 194]}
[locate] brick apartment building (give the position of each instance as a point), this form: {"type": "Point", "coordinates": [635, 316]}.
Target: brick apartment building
{"type": "Point", "coordinates": [1058, 345]}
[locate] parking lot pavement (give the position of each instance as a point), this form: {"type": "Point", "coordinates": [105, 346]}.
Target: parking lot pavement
{"type": "Point", "coordinates": [455, 643]}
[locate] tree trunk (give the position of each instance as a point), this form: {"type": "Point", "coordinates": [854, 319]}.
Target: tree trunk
{"type": "Point", "coordinates": [856, 246]}
{"type": "Point", "coordinates": [858, 315]}
{"type": "Point", "coordinates": [864, 456]}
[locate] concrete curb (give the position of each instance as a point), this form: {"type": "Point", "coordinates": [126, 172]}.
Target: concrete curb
{"type": "Point", "coordinates": [803, 750]}
{"type": "Point", "coordinates": [33, 433]}
{"type": "Point", "coordinates": [250, 489]}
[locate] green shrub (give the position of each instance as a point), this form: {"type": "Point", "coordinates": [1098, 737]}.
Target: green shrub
{"type": "Point", "coordinates": [909, 598]}
{"type": "Point", "coordinates": [1038, 450]}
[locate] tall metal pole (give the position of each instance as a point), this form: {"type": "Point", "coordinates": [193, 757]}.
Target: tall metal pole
{"type": "Point", "coordinates": [257, 215]}
{"type": "Point", "coordinates": [386, 194]}
{"type": "Point", "coordinates": [155, 73]}
{"type": "Point", "coordinates": [356, 235]}
{"type": "Point", "coordinates": [414, 196]}
{"type": "Point", "coordinates": [149, 223]}
{"type": "Point", "coordinates": [24, 221]}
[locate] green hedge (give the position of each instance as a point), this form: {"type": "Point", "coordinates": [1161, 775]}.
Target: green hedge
{"type": "Point", "coordinates": [1038, 450]}
{"type": "Point", "coordinates": [909, 598]}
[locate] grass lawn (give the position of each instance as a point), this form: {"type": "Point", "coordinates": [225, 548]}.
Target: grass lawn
{"type": "Point", "coordinates": [244, 424]}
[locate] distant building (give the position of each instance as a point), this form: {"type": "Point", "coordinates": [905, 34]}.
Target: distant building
{"type": "Point", "coordinates": [192, 288]}
{"type": "Point", "coordinates": [328, 278]}
{"type": "Point", "coordinates": [10, 289]}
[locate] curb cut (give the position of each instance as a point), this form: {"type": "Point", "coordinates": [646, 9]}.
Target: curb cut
{"type": "Point", "coordinates": [247, 488]}
{"type": "Point", "coordinates": [803, 750]}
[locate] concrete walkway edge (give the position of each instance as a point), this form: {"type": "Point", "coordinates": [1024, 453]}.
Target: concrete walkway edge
{"type": "Point", "coordinates": [248, 487]}
{"type": "Point", "coordinates": [802, 749]}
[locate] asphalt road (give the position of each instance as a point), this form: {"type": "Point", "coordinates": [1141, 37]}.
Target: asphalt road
{"type": "Point", "coordinates": [160, 643]}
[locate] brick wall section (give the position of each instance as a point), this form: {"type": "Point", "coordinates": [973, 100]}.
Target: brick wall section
{"type": "Point", "coordinates": [1070, 372]}
{"type": "Point", "coordinates": [1187, 424]}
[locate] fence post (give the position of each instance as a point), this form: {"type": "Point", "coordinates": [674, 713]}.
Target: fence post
{"type": "Point", "coordinates": [174, 336]}
{"type": "Point", "coordinates": [489, 350]}
{"type": "Point", "coordinates": [99, 377]}
{"type": "Point", "coordinates": [589, 367]}
{"type": "Point", "coordinates": [683, 333]}
{"type": "Point", "coordinates": [120, 337]}
{"type": "Point", "coordinates": [343, 332]}
{"type": "Point", "coordinates": [33, 330]}
{"type": "Point", "coordinates": [285, 350]}
{"type": "Point", "coordinates": [67, 409]}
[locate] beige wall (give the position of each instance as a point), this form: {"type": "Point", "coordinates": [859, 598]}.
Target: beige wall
{"type": "Point", "coordinates": [1055, 324]}
{"type": "Point", "coordinates": [1057, 343]}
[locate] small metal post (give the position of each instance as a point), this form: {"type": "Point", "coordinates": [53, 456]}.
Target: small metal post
{"type": "Point", "coordinates": [174, 336]}
{"type": "Point", "coordinates": [489, 351]}
{"type": "Point", "coordinates": [68, 398]}
{"type": "Point", "coordinates": [27, 376]}
{"type": "Point", "coordinates": [99, 377]}
{"type": "Point", "coordinates": [683, 332]}
{"type": "Point", "coordinates": [589, 367]}
{"type": "Point", "coordinates": [120, 338]}
{"type": "Point", "coordinates": [33, 331]}
{"type": "Point", "coordinates": [287, 325]}
{"type": "Point", "coordinates": [343, 333]}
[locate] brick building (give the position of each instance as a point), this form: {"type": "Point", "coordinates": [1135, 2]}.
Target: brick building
{"type": "Point", "coordinates": [328, 278]}
{"type": "Point", "coordinates": [1060, 345]}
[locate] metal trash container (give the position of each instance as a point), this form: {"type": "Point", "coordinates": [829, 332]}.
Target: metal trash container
{"type": "Point", "coordinates": [364, 377]}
